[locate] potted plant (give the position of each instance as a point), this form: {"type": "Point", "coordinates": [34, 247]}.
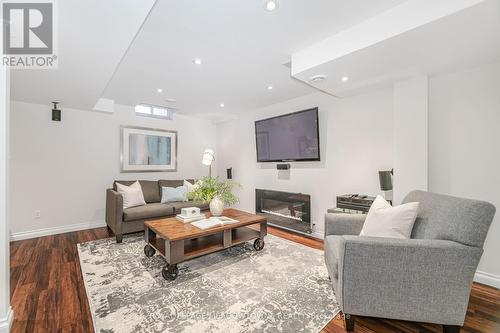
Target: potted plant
{"type": "Point", "coordinates": [215, 191]}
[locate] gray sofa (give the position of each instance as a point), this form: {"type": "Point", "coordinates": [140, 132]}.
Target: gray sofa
{"type": "Point", "coordinates": [426, 278]}
{"type": "Point", "coordinates": [124, 221]}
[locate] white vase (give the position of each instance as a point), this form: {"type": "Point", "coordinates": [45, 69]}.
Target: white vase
{"type": "Point", "coordinates": [216, 206]}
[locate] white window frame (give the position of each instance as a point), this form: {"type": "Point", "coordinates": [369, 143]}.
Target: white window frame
{"type": "Point", "coordinates": [170, 111]}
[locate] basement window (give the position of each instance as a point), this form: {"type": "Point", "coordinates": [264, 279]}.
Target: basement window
{"type": "Point", "coordinates": [154, 111]}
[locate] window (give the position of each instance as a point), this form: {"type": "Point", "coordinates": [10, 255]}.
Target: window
{"type": "Point", "coordinates": [154, 111]}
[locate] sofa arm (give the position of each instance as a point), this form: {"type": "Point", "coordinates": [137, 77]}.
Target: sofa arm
{"type": "Point", "coordinates": [343, 224]}
{"type": "Point", "coordinates": [114, 211]}
{"type": "Point", "coordinates": [410, 279]}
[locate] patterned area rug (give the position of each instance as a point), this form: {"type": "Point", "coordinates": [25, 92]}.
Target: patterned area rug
{"type": "Point", "coordinates": [283, 288]}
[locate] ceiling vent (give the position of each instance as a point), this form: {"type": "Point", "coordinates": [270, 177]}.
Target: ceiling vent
{"type": "Point", "coordinates": [317, 78]}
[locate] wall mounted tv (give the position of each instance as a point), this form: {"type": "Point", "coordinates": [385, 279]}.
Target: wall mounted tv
{"type": "Point", "coordinates": [289, 137]}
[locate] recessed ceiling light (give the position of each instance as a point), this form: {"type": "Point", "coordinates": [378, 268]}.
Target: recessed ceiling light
{"type": "Point", "coordinates": [197, 61]}
{"type": "Point", "coordinates": [222, 105]}
{"type": "Point", "coordinates": [269, 87]}
{"type": "Point", "coordinates": [317, 78]}
{"type": "Point", "coordinates": [345, 79]}
{"type": "Point", "coordinates": [171, 100]}
{"type": "Point", "coordinates": [159, 90]}
{"type": "Point", "coordinates": [271, 5]}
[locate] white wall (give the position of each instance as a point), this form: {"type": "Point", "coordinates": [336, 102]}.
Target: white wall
{"type": "Point", "coordinates": [464, 138]}
{"type": "Point", "coordinates": [63, 168]}
{"type": "Point", "coordinates": [6, 314]}
{"type": "Point", "coordinates": [410, 136]}
{"type": "Point", "coordinates": [355, 142]}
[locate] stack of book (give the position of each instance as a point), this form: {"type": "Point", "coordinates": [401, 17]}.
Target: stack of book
{"type": "Point", "coordinates": [190, 218]}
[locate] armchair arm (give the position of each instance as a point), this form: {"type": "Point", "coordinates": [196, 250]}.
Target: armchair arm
{"type": "Point", "coordinates": [114, 211]}
{"type": "Point", "coordinates": [410, 279]}
{"type": "Point", "coordinates": [343, 224]}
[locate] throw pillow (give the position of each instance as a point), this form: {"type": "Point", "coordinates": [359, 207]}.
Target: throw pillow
{"type": "Point", "coordinates": [189, 187]}
{"type": "Point", "coordinates": [173, 194]}
{"type": "Point", "coordinates": [132, 195]}
{"type": "Point", "coordinates": [383, 220]}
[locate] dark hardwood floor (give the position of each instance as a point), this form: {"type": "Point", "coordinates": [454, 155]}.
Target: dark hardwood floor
{"type": "Point", "coordinates": [48, 294]}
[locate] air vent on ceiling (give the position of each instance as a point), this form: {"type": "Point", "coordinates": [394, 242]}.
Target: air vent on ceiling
{"type": "Point", "coordinates": [317, 78]}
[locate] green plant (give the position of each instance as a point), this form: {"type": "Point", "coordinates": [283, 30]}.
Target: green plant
{"type": "Point", "coordinates": [208, 188]}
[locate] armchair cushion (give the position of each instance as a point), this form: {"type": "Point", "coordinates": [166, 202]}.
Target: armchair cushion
{"type": "Point", "coordinates": [343, 224]}
{"type": "Point", "coordinates": [445, 217]}
{"type": "Point", "coordinates": [410, 279]}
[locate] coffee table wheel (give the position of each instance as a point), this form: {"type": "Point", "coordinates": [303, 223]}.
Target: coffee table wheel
{"type": "Point", "coordinates": [170, 272]}
{"type": "Point", "coordinates": [149, 251]}
{"type": "Point", "coordinates": [258, 244]}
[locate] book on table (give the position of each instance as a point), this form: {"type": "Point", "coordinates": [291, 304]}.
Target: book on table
{"type": "Point", "coordinates": [213, 222]}
{"type": "Point", "coordinates": [190, 218]}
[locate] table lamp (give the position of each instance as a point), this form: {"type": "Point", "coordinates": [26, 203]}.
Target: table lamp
{"type": "Point", "coordinates": [385, 178]}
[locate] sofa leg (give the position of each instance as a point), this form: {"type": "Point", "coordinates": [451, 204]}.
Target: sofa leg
{"type": "Point", "coordinates": [119, 238]}
{"type": "Point", "coordinates": [451, 329]}
{"type": "Point", "coordinates": [349, 322]}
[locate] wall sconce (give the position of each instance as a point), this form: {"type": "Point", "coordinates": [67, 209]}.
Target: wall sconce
{"type": "Point", "coordinates": [56, 113]}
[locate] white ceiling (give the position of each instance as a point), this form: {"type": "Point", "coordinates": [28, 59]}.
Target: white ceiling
{"type": "Point", "coordinates": [467, 38]}
{"type": "Point", "coordinates": [125, 51]}
{"type": "Point", "coordinates": [91, 40]}
{"type": "Point", "coordinates": [242, 48]}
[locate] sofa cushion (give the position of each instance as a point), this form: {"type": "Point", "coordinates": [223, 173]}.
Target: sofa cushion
{"type": "Point", "coordinates": [150, 189]}
{"type": "Point", "coordinates": [173, 194]}
{"type": "Point", "coordinates": [182, 204]}
{"type": "Point", "coordinates": [147, 211]}
{"type": "Point", "coordinates": [332, 248]}
{"type": "Point", "coordinates": [132, 195]}
{"type": "Point", "coordinates": [173, 182]}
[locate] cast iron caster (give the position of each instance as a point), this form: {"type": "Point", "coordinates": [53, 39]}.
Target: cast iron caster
{"type": "Point", "coordinates": [149, 251]}
{"type": "Point", "coordinates": [258, 245]}
{"type": "Point", "coordinates": [170, 272]}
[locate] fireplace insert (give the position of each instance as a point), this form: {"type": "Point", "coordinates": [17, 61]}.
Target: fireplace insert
{"type": "Point", "coordinates": [285, 210]}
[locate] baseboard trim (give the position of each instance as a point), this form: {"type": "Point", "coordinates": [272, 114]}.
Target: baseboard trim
{"type": "Point", "coordinates": [55, 230]}
{"type": "Point", "coordinates": [488, 279]}
{"type": "Point", "coordinates": [6, 322]}
{"type": "Point", "coordinates": [318, 235]}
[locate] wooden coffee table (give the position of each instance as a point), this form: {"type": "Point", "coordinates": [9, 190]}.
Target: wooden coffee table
{"type": "Point", "coordinates": [177, 241]}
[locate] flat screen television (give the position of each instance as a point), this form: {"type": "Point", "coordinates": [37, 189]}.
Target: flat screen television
{"type": "Point", "coordinates": [289, 137]}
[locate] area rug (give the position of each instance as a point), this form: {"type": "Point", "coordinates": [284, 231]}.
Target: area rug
{"type": "Point", "coordinates": [283, 288]}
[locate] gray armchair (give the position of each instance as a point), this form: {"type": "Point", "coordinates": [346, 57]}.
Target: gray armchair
{"type": "Point", "coordinates": [426, 278]}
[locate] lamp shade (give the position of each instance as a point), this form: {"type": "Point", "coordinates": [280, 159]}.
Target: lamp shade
{"type": "Point", "coordinates": [385, 178]}
{"type": "Point", "coordinates": [208, 157]}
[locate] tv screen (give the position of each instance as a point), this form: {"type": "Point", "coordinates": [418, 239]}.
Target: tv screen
{"type": "Point", "coordinates": [290, 137]}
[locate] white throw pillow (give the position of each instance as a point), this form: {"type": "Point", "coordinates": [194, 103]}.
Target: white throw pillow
{"type": "Point", "coordinates": [190, 188]}
{"type": "Point", "coordinates": [383, 220]}
{"type": "Point", "coordinates": [132, 195]}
